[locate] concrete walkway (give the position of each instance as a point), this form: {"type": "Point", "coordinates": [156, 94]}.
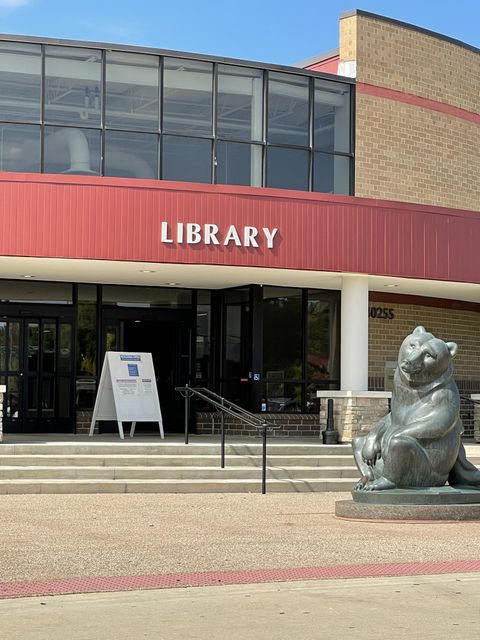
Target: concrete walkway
{"type": "Point", "coordinates": [60, 538]}
{"type": "Point", "coordinates": [431, 608]}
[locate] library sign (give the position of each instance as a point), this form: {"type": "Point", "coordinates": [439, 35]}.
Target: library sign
{"type": "Point", "coordinates": [211, 234]}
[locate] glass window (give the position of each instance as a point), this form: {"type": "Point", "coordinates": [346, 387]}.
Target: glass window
{"type": "Point", "coordinates": [203, 337]}
{"type": "Point", "coordinates": [282, 332]}
{"type": "Point", "coordinates": [236, 341]}
{"type": "Point", "coordinates": [49, 347]}
{"type": "Point", "coordinates": [332, 116]}
{"type": "Point", "coordinates": [145, 297]}
{"type": "Point", "coordinates": [287, 168]}
{"type": "Point", "coordinates": [3, 346]}
{"type": "Point", "coordinates": [20, 81]}
{"type": "Point", "coordinates": [87, 330]}
{"type": "Point", "coordinates": [35, 292]}
{"type": "Point", "coordinates": [20, 147]}
{"type": "Point", "coordinates": [331, 173]}
{"type": "Point", "coordinates": [187, 96]}
{"type": "Point", "coordinates": [132, 91]}
{"type": "Point", "coordinates": [282, 348]}
{"type": "Point", "coordinates": [33, 346]}
{"type": "Point", "coordinates": [239, 163]}
{"type": "Point", "coordinates": [322, 336]}
{"type": "Point", "coordinates": [288, 109]}
{"type": "Point", "coordinates": [86, 335]}
{"type": "Point", "coordinates": [72, 150]}
{"type": "Point", "coordinates": [73, 87]}
{"type": "Point", "coordinates": [188, 159]}
{"type": "Point", "coordinates": [131, 154]}
{"type": "Point", "coordinates": [240, 103]}
{"type": "Point", "coordinates": [65, 347]}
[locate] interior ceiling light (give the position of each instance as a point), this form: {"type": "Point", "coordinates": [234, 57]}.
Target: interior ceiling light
{"type": "Point", "coordinates": [390, 286]}
{"type": "Point", "coordinates": [172, 284]}
{"type": "Point", "coordinates": [147, 271]}
{"type": "Point", "coordinates": [27, 276]}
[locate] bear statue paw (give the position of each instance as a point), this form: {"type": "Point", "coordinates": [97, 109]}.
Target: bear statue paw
{"type": "Point", "coordinates": [380, 484]}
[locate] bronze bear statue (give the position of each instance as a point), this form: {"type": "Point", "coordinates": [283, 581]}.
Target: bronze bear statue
{"type": "Point", "coordinates": [418, 443]}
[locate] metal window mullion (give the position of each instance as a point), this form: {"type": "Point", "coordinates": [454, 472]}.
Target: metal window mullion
{"type": "Point", "coordinates": [311, 115]}
{"type": "Point", "coordinates": [103, 110]}
{"type": "Point", "coordinates": [265, 127]}
{"type": "Point", "coordinates": [42, 111]}
{"type": "Point", "coordinates": [213, 176]}
{"type": "Point", "coordinates": [352, 124]}
{"type": "Point", "coordinates": [160, 118]}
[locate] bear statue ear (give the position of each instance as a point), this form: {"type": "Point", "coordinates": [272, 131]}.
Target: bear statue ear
{"type": "Point", "coordinates": [419, 329]}
{"type": "Point", "coordinates": [453, 348]}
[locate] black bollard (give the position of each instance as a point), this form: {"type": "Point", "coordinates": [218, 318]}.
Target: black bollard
{"type": "Point", "coordinates": [330, 436]}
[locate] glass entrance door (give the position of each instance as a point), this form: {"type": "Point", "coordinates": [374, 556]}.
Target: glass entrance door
{"type": "Point", "coordinates": [36, 360]}
{"type": "Point", "coordinates": [167, 336]}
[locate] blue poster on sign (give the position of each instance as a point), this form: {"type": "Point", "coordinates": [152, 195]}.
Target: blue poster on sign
{"type": "Point", "coordinates": [133, 369]}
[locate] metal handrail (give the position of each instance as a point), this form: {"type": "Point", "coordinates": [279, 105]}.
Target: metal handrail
{"type": "Point", "coordinates": [464, 397]}
{"type": "Point", "coordinates": [225, 406]}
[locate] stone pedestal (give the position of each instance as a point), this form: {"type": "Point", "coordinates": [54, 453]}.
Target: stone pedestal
{"type": "Point", "coordinates": [476, 416]}
{"type": "Point", "coordinates": [429, 503]}
{"type": "Point", "coordinates": [3, 389]}
{"type": "Point", "coordinates": [354, 412]}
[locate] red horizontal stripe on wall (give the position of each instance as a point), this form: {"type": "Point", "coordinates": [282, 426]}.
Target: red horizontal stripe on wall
{"type": "Point", "coordinates": [417, 101]}
{"type": "Point", "coordinates": [118, 219]}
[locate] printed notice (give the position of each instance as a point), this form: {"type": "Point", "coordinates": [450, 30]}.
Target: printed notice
{"type": "Point", "coordinates": [133, 369]}
{"type": "Point", "coordinates": [127, 387]}
{"type": "Point", "coordinates": [147, 387]}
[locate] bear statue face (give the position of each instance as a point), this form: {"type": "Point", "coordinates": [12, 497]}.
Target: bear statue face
{"type": "Point", "coordinates": [423, 358]}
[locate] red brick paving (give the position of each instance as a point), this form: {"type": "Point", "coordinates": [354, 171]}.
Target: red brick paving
{"type": "Point", "coordinates": [172, 580]}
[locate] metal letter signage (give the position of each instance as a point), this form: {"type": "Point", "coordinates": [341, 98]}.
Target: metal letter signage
{"type": "Point", "coordinates": [208, 234]}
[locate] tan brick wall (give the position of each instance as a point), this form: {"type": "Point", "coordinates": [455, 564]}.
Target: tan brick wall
{"type": "Point", "coordinates": [462, 327]}
{"type": "Point", "coordinates": [392, 56]}
{"type": "Point", "coordinates": [406, 152]}
{"type": "Point", "coordinates": [348, 39]}
{"type": "Point", "coordinates": [413, 154]}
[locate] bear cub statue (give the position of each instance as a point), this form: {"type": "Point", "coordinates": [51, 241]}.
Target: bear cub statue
{"type": "Point", "coordinates": [418, 443]}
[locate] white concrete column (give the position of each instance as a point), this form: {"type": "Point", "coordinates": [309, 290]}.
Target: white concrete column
{"type": "Point", "coordinates": [354, 334]}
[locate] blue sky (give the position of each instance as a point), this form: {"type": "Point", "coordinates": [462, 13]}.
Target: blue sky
{"type": "Point", "coordinates": [264, 30]}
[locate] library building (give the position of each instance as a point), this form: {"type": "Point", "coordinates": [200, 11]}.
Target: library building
{"type": "Point", "coordinates": [270, 233]}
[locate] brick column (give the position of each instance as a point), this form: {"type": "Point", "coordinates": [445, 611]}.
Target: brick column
{"type": "Point", "coordinates": [476, 417]}
{"type": "Point", "coordinates": [354, 412]}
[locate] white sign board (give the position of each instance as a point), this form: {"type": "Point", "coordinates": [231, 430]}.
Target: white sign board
{"type": "Point", "coordinates": [127, 391]}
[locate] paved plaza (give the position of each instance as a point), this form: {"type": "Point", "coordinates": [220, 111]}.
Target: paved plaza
{"type": "Point", "coordinates": [282, 565]}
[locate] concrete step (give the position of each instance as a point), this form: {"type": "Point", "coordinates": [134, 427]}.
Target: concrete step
{"type": "Point", "coordinates": [172, 461]}
{"type": "Point", "coordinates": [173, 486]}
{"type": "Point", "coordinates": [127, 447]}
{"type": "Point", "coordinates": [172, 473]}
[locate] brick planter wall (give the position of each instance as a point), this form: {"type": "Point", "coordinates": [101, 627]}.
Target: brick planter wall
{"type": "Point", "coordinates": [2, 392]}
{"type": "Point", "coordinates": [354, 413]}
{"type": "Point", "coordinates": [84, 420]}
{"type": "Point", "coordinates": [291, 424]}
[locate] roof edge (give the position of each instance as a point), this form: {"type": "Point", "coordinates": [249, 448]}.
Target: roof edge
{"type": "Point", "coordinates": [412, 27]}
{"type": "Point", "coordinates": [129, 48]}
{"type": "Point", "coordinates": [317, 58]}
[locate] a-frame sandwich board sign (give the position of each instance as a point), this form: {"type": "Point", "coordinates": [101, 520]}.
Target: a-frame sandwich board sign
{"type": "Point", "coordinates": [127, 391]}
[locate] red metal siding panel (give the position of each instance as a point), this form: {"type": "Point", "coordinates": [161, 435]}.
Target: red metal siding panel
{"type": "Point", "coordinates": [115, 219]}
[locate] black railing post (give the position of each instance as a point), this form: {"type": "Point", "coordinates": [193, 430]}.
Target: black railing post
{"type": "Point", "coordinates": [264, 460]}
{"type": "Point", "coordinates": [222, 428]}
{"type": "Point", "coordinates": [187, 411]}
